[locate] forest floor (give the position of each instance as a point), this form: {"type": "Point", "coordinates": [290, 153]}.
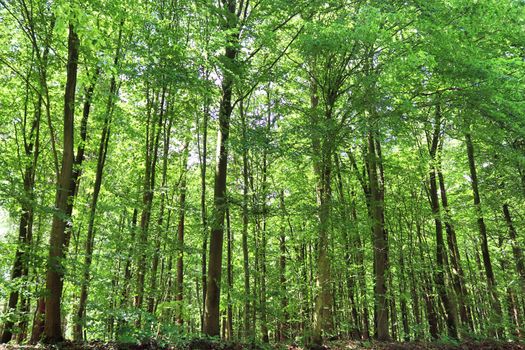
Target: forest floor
{"type": "Point", "coordinates": [336, 345]}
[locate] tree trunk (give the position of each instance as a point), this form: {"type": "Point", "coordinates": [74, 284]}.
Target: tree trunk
{"type": "Point", "coordinates": [74, 184]}
{"type": "Point", "coordinates": [283, 322]}
{"type": "Point", "coordinates": [32, 151]}
{"type": "Point", "coordinates": [180, 237]}
{"type": "Point", "coordinates": [491, 281]}
{"type": "Point", "coordinates": [101, 160]}
{"type": "Point", "coordinates": [403, 299]}
{"type": "Point", "coordinates": [152, 145]}
{"type": "Point", "coordinates": [127, 272]}
{"type": "Point", "coordinates": [428, 293]}
{"type": "Point", "coordinates": [211, 313]}
{"type": "Point", "coordinates": [154, 293]}
{"type": "Point", "coordinates": [204, 214]}
{"type": "Point", "coordinates": [458, 276]}
{"type": "Point", "coordinates": [262, 200]}
{"type": "Point", "coordinates": [350, 280]}
{"type": "Point", "coordinates": [516, 249]}
{"type": "Point", "coordinates": [512, 310]}
{"type": "Point", "coordinates": [55, 270]}
{"type": "Point", "coordinates": [245, 220]}
{"type": "Point", "coordinates": [380, 241]}
{"type": "Point", "coordinates": [25, 228]}
{"type": "Point", "coordinates": [322, 150]}
{"type": "Point", "coordinates": [440, 243]}
{"type": "Point", "coordinates": [229, 268]}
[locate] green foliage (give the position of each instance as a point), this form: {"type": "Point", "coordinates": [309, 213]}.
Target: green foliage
{"type": "Point", "coordinates": [311, 82]}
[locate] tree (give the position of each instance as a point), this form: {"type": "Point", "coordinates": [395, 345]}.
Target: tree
{"type": "Point", "coordinates": [55, 272]}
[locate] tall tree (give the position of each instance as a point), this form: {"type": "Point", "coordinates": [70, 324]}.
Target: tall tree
{"type": "Point", "coordinates": [211, 315]}
{"type": "Point", "coordinates": [55, 269]}
{"type": "Point", "coordinates": [101, 161]}
{"type": "Point", "coordinates": [487, 263]}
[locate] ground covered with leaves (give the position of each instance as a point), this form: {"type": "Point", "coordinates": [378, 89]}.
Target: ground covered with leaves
{"type": "Point", "coordinates": [205, 344]}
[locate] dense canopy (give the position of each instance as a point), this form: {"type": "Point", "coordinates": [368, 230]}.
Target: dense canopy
{"type": "Point", "coordinates": [260, 170]}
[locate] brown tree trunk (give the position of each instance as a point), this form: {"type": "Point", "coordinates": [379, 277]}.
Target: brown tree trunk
{"type": "Point", "coordinates": [491, 281]}
{"type": "Point", "coordinates": [180, 237]}
{"type": "Point", "coordinates": [283, 323]}
{"type": "Point", "coordinates": [413, 280]}
{"type": "Point", "coordinates": [39, 321]}
{"type": "Point", "coordinates": [458, 276]}
{"type": "Point", "coordinates": [512, 310]}
{"type": "Point", "coordinates": [403, 299]}
{"type": "Point", "coordinates": [440, 243]}
{"type": "Point", "coordinates": [380, 241]}
{"type": "Point", "coordinates": [152, 145]}
{"type": "Point", "coordinates": [516, 249]}
{"type": "Point", "coordinates": [322, 151]}
{"type": "Point", "coordinates": [101, 160]}
{"type": "Point", "coordinates": [349, 277]}
{"type": "Point", "coordinates": [211, 313]}
{"type": "Point", "coordinates": [154, 293]}
{"type": "Point", "coordinates": [428, 293]}
{"type": "Point", "coordinates": [74, 184]}
{"type": "Point", "coordinates": [229, 270]}
{"type": "Point", "coordinates": [127, 272]}
{"type": "Point", "coordinates": [32, 150]}
{"type": "Point", "coordinates": [360, 256]}
{"type": "Point", "coordinates": [25, 228]}
{"type": "Point", "coordinates": [55, 270]}
{"type": "Point", "coordinates": [262, 201]}
{"type": "Point", "coordinates": [204, 213]}
{"type": "Point", "coordinates": [245, 220]}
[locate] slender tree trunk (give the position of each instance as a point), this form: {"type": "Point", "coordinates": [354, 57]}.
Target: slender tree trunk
{"type": "Point", "coordinates": [380, 241]}
{"type": "Point", "coordinates": [55, 271]}
{"type": "Point", "coordinates": [393, 309]}
{"type": "Point", "coordinates": [25, 229]}
{"type": "Point", "coordinates": [245, 220]}
{"type": "Point", "coordinates": [361, 275]}
{"type": "Point", "coordinates": [350, 280]}
{"type": "Point", "coordinates": [211, 313]}
{"type": "Point", "coordinates": [74, 184]}
{"type": "Point", "coordinates": [180, 237]}
{"type": "Point", "coordinates": [204, 214]}
{"type": "Point", "coordinates": [305, 295]}
{"type": "Point", "coordinates": [365, 334]}
{"type": "Point", "coordinates": [256, 265]}
{"type": "Point", "coordinates": [19, 269]}
{"type": "Point", "coordinates": [32, 151]}
{"type": "Point", "coordinates": [322, 167]}
{"type": "Point", "coordinates": [101, 160]}
{"type": "Point", "coordinates": [38, 321]}
{"type": "Point", "coordinates": [516, 249]}
{"type": "Point", "coordinates": [403, 300]}
{"type": "Point", "coordinates": [491, 281]}
{"type": "Point", "coordinates": [440, 242]}
{"type": "Point", "coordinates": [413, 280]}
{"type": "Point", "coordinates": [283, 322]}
{"type": "Point", "coordinates": [127, 272]}
{"type": "Point", "coordinates": [458, 277]}
{"type": "Point", "coordinates": [152, 143]}
{"type": "Point", "coordinates": [512, 310]}
{"type": "Point", "coordinates": [154, 293]}
{"type": "Point", "coordinates": [262, 200]}
{"type": "Point", "coordinates": [229, 267]}
{"type": "Point", "coordinates": [440, 253]}
{"type": "Point", "coordinates": [428, 293]}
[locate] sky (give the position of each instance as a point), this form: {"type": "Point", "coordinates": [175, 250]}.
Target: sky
{"type": "Point", "coordinates": [6, 224]}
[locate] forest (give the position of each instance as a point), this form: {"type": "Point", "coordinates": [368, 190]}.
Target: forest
{"type": "Point", "coordinates": [273, 173]}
